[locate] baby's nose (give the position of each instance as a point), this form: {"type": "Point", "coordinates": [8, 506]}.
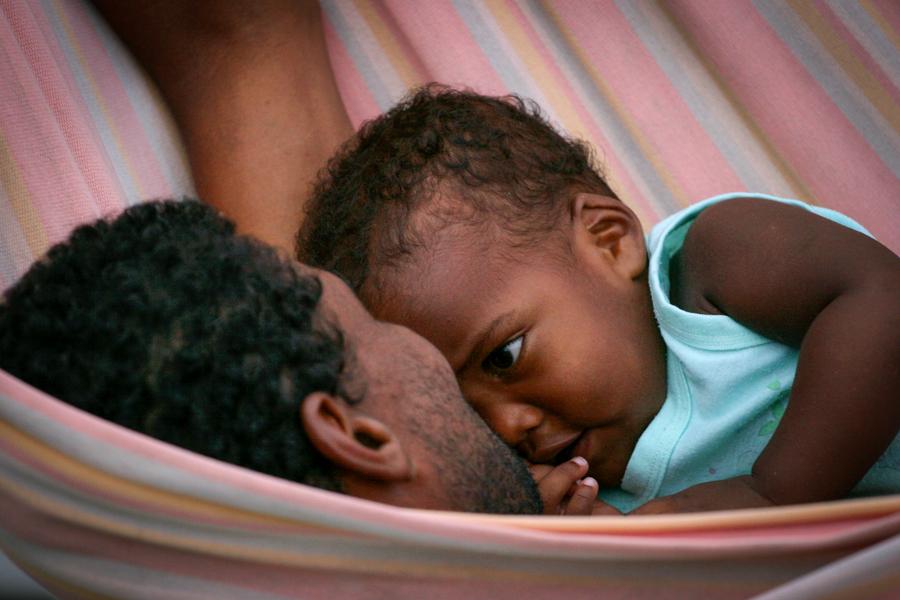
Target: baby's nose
{"type": "Point", "coordinates": [513, 422]}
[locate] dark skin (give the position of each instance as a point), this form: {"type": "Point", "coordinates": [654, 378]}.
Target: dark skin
{"type": "Point", "coordinates": [832, 292]}
{"type": "Point", "coordinates": [577, 359]}
{"type": "Point", "coordinates": [251, 88]}
{"type": "Point", "coordinates": [225, 67]}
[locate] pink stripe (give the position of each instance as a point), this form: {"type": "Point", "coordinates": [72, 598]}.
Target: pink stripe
{"type": "Point", "coordinates": [323, 506]}
{"type": "Point", "coordinates": [830, 156]}
{"type": "Point", "coordinates": [682, 147]}
{"type": "Point", "coordinates": [31, 116]}
{"type": "Point", "coordinates": [798, 538]}
{"type": "Point", "coordinates": [347, 509]}
{"type": "Point", "coordinates": [433, 28]}
{"type": "Point", "coordinates": [112, 97]}
{"type": "Point", "coordinates": [91, 542]}
{"type": "Point", "coordinates": [864, 57]}
{"type": "Point", "coordinates": [889, 10]}
{"type": "Point", "coordinates": [361, 105]}
{"type": "Point", "coordinates": [625, 183]}
{"type": "Point", "coordinates": [72, 117]}
{"type": "Point", "coordinates": [355, 579]}
{"type": "Point", "coordinates": [402, 40]}
{"type": "Point", "coordinates": [145, 504]}
{"type": "Point", "coordinates": [104, 433]}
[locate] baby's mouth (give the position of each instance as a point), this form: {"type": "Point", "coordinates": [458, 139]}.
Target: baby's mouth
{"type": "Point", "coordinates": [568, 451]}
{"type": "Point", "coordinates": [547, 453]}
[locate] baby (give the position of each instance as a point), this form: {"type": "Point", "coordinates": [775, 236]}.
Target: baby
{"type": "Point", "coordinates": [746, 354]}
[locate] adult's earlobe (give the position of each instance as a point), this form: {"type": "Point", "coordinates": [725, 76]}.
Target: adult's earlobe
{"type": "Point", "coordinates": [353, 441]}
{"type": "Point", "coordinates": [605, 224]}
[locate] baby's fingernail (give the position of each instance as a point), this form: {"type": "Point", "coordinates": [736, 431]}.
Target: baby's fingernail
{"type": "Point", "coordinates": [581, 462]}
{"type": "Point", "coordinates": [590, 482]}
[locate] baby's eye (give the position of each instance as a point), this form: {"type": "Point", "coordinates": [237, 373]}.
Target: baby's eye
{"type": "Point", "coordinates": [505, 357]}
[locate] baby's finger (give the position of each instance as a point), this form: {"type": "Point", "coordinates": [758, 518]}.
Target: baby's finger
{"type": "Point", "coordinates": [581, 502]}
{"type": "Point", "coordinates": [555, 486]}
{"type": "Point", "coordinates": [539, 471]}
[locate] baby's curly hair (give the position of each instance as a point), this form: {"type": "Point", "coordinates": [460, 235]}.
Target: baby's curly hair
{"type": "Point", "coordinates": [165, 321]}
{"type": "Point", "coordinates": [497, 159]}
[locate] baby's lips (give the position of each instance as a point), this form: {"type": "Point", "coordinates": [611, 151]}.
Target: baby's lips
{"type": "Point", "coordinates": [548, 452]}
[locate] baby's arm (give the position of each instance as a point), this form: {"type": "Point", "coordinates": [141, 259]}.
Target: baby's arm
{"type": "Point", "coordinates": [806, 281]}
{"type": "Point", "coordinates": [251, 88]}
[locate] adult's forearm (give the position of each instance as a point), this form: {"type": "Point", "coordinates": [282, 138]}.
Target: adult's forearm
{"type": "Point", "coordinates": [251, 88]}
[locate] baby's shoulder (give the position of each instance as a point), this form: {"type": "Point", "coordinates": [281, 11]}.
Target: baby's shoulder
{"type": "Point", "coordinates": [727, 245]}
{"type": "Point", "coordinates": [710, 238]}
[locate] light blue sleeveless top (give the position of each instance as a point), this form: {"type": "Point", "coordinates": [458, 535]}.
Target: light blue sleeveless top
{"type": "Point", "coordinates": [727, 388]}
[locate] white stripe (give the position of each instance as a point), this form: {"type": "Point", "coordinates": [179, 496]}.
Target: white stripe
{"type": "Point", "coordinates": [870, 36]}
{"type": "Point", "coordinates": [157, 126]}
{"type": "Point", "coordinates": [724, 127]}
{"type": "Point", "coordinates": [842, 90]}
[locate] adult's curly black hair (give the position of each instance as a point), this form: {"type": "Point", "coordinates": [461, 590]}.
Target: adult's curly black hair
{"type": "Point", "coordinates": [165, 321]}
{"type": "Point", "coordinates": [496, 159]}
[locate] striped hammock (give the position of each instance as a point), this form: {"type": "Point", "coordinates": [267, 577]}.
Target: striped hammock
{"type": "Point", "coordinates": [682, 99]}
{"type": "Point", "coordinates": [91, 509]}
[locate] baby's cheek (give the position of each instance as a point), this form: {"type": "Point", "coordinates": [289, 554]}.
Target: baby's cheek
{"type": "Point", "coordinates": [500, 419]}
{"type": "Point", "coordinates": [478, 401]}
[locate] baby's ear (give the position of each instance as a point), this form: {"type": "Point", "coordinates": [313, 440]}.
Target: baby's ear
{"type": "Point", "coordinates": [605, 225]}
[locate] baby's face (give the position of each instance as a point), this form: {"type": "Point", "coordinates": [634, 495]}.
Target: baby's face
{"type": "Point", "coordinates": [558, 354]}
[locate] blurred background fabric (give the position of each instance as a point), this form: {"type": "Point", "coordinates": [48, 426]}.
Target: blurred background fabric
{"type": "Point", "coordinates": [681, 99]}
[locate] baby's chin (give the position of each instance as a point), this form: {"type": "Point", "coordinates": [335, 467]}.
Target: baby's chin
{"type": "Point", "coordinates": [606, 462]}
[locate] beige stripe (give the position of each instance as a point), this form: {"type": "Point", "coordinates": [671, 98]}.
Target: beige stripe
{"type": "Point", "coordinates": [56, 463]}
{"type": "Point", "coordinates": [710, 522]}
{"type": "Point", "coordinates": [889, 31]}
{"type": "Point", "coordinates": [357, 557]}
{"type": "Point", "coordinates": [646, 148]}
{"type": "Point", "coordinates": [20, 200]}
{"type": "Point", "coordinates": [848, 61]}
{"type": "Point", "coordinates": [544, 79]}
{"type": "Point", "coordinates": [411, 74]}
{"type": "Point", "coordinates": [798, 188]}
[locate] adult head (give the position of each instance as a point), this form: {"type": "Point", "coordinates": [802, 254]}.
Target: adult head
{"type": "Point", "coordinates": [165, 321]}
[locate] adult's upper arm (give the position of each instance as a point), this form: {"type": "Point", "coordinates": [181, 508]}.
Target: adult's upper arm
{"type": "Point", "coordinates": [251, 88]}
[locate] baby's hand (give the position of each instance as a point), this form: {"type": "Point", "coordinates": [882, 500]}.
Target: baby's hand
{"type": "Point", "coordinates": [562, 488]}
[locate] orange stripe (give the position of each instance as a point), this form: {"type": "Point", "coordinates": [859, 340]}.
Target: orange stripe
{"type": "Point", "coordinates": [20, 200]}
{"type": "Point", "coordinates": [783, 518]}
{"type": "Point", "coordinates": [799, 190]}
{"type": "Point", "coordinates": [544, 77]}
{"type": "Point", "coordinates": [57, 465]}
{"type": "Point", "coordinates": [621, 112]}
{"type": "Point", "coordinates": [391, 42]}
{"type": "Point", "coordinates": [892, 34]}
{"type": "Point", "coordinates": [843, 55]}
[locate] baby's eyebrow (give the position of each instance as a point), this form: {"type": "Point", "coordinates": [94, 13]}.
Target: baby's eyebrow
{"type": "Point", "coordinates": [483, 339]}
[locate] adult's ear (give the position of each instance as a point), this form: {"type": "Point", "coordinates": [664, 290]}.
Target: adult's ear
{"type": "Point", "coordinates": [604, 225]}
{"type": "Point", "coordinates": [353, 441]}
